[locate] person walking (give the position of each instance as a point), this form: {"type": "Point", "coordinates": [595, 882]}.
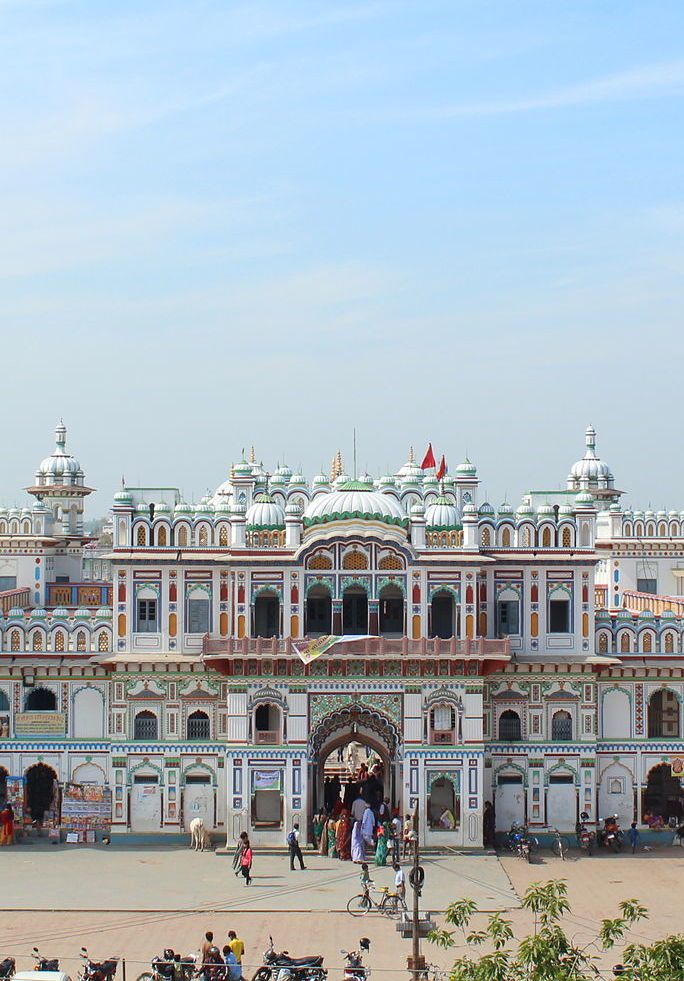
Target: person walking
{"type": "Point", "coordinates": [634, 836]}
{"type": "Point", "coordinates": [237, 854]}
{"type": "Point", "coordinates": [246, 860]}
{"type": "Point", "coordinates": [293, 846]}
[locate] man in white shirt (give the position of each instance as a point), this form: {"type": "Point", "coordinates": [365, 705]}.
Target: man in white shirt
{"type": "Point", "coordinates": [399, 881]}
{"type": "Point", "coordinates": [359, 807]}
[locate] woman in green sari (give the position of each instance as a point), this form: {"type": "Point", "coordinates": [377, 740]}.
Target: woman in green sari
{"type": "Point", "coordinates": [332, 838]}
{"type": "Point", "coordinates": [382, 846]}
{"type": "Point", "coordinates": [317, 828]}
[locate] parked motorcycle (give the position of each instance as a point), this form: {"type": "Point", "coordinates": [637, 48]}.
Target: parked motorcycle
{"type": "Point", "coordinates": [354, 969]}
{"type": "Point", "coordinates": [170, 966]}
{"type": "Point", "coordinates": [610, 835]}
{"type": "Point", "coordinates": [97, 970]}
{"type": "Point", "coordinates": [521, 842]}
{"type": "Point", "coordinates": [7, 968]}
{"type": "Point", "coordinates": [586, 839]}
{"type": "Point", "coordinates": [282, 967]}
{"type": "Point", "coordinates": [44, 963]}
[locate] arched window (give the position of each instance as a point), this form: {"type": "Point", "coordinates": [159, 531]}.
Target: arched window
{"type": "Point", "coordinates": [506, 538]}
{"type": "Point", "coordinates": [603, 643]}
{"type": "Point", "coordinates": [442, 725]}
{"type": "Point", "coordinates": [625, 645]}
{"type": "Point", "coordinates": [199, 726]}
{"type": "Point", "coordinates": [320, 561]}
{"type": "Point", "coordinates": [4, 702]}
{"type": "Point", "coordinates": [646, 643]}
{"type": "Point", "coordinates": [390, 562]}
{"type": "Point", "coordinates": [485, 539]}
{"type": "Point", "coordinates": [161, 536]}
{"type": "Point", "coordinates": [141, 535]}
{"type": "Point", "coordinates": [81, 640]}
{"type": "Point", "coordinates": [567, 537]}
{"type": "Point", "coordinates": [650, 530]}
{"type": "Point", "coordinates": [526, 538]}
{"type": "Point", "coordinates": [391, 612]}
{"type": "Point", "coordinates": [37, 640]}
{"type": "Point", "coordinates": [561, 726]}
{"type": "Point", "coordinates": [355, 560]}
{"type": "Point", "coordinates": [223, 536]}
{"type": "Point", "coordinates": [145, 726]}
{"type": "Point", "coordinates": [546, 538]}
{"type": "Point", "coordinates": [267, 724]}
{"type": "Point", "coordinates": [183, 536]}
{"type": "Point", "coordinates": [669, 642]}
{"type": "Point", "coordinates": [103, 641]}
{"type": "Point", "coordinates": [26, 528]}
{"type": "Point", "coordinates": [15, 641]}
{"type": "Point", "coordinates": [662, 530]}
{"type": "Point", "coordinates": [639, 530]}
{"type": "Point", "coordinates": [318, 611]}
{"type": "Point", "coordinates": [267, 615]}
{"type": "Point", "coordinates": [59, 641]}
{"type": "Point", "coordinates": [510, 727]}
{"type": "Point", "coordinates": [203, 538]}
{"type": "Point", "coordinates": [41, 700]}
{"type": "Point", "coordinates": [663, 715]}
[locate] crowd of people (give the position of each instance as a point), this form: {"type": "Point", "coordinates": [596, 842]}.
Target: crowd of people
{"type": "Point", "coordinates": [224, 963]}
{"type": "Point", "coordinates": [358, 821]}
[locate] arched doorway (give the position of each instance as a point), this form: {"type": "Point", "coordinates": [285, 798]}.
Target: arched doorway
{"type": "Point", "coordinates": [41, 700]}
{"type": "Point", "coordinates": [391, 621]}
{"type": "Point", "coordinates": [267, 615]}
{"type": "Point", "coordinates": [663, 796]}
{"type": "Point", "coordinates": [443, 620]}
{"type": "Point", "coordinates": [42, 792]}
{"type": "Point", "coordinates": [663, 715]}
{"type": "Point", "coordinates": [355, 611]}
{"type": "Point", "coordinates": [318, 612]}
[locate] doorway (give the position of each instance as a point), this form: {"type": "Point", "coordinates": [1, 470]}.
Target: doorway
{"type": "Point", "coordinates": [146, 803]}
{"type": "Point", "coordinates": [561, 802]}
{"type": "Point", "coordinates": [198, 800]}
{"type": "Point", "coordinates": [355, 611]}
{"type": "Point", "coordinates": [318, 612]}
{"type": "Point", "coordinates": [42, 792]}
{"type": "Point", "coordinates": [391, 612]}
{"type": "Point", "coordinates": [267, 616]}
{"type": "Point", "coordinates": [41, 700]}
{"type": "Point", "coordinates": [509, 803]}
{"type": "Point", "coordinates": [663, 796]}
{"type": "Point", "coordinates": [442, 615]}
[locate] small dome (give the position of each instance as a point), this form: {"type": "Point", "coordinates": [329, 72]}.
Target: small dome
{"type": "Point", "coordinates": [584, 500]}
{"type": "Point", "coordinates": [103, 613]}
{"type": "Point", "coordinates": [615, 507]}
{"type": "Point", "coordinates": [410, 469]}
{"type": "Point", "coordinates": [39, 614]}
{"type": "Point", "coordinates": [354, 499]}
{"type": "Point", "coordinates": [297, 480]}
{"type": "Point", "coordinates": [321, 480]}
{"type": "Point", "coordinates": [163, 508]}
{"type": "Point", "coordinates": [265, 513]}
{"type": "Point", "coordinates": [567, 511]}
{"type": "Point", "coordinates": [486, 508]}
{"type": "Point", "coordinates": [649, 514]}
{"type": "Point", "coordinates": [61, 613]}
{"type": "Point", "coordinates": [40, 508]}
{"type": "Point", "coordinates": [183, 508]}
{"type": "Point", "coordinates": [525, 510]}
{"type": "Point", "coordinates": [443, 514]}
{"type": "Point", "coordinates": [60, 468]}
{"type": "Point", "coordinates": [546, 511]}
{"type": "Point", "coordinates": [223, 507]}
{"type": "Point", "coordinates": [505, 510]}
{"type": "Point", "coordinates": [204, 507]}
{"type": "Point", "coordinates": [293, 509]}
{"type": "Point", "coordinates": [343, 478]}
{"type": "Point", "coordinates": [243, 468]}
{"type": "Point", "coordinates": [123, 497]}
{"type": "Point", "coordinates": [418, 510]}
{"type": "Point", "coordinates": [143, 508]}
{"type": "Point", "coordinates": [237, 507]}
{"type": "Point", "coordinates": [590, 469]}
{"type": "Point", "coordinates": [469, 511]}
{"type": "Point", "coordinates": [466, 469]}
{"type": "Point", "coordinates": [82, 614]}
{"type": "Point", "coordinates": [430, 481]}
{"type": "Point", "coordinates": [673, 514]}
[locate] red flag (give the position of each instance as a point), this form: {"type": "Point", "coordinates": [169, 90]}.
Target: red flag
{"type": "Point", "coordinates": [442, 472]}
{"type": "Point", "coordinates": [428, 459]}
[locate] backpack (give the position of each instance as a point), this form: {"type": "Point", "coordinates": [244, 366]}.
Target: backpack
{"type": "Point", "coordinates": [292, 838]}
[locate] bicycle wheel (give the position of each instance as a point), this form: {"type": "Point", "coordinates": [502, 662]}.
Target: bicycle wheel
{"type": "Point", "coordinates": [389, 905]}
{"type": "Point", "coordinates": [358, 905]}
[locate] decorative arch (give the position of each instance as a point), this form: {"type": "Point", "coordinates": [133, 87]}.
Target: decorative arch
{"type": "Point", "coordinates": [319, 560]}
{"type": "Point", "coordinates": [193, 767]}
{"type": "Point", "coordinates": [321, 582]}
{"type": "Point", "coordinates": [386, 581]}
{"type": "Point", "coordinates": [509, 768]}
{"type": "Point", "coordinates": [391, 561]}
{"type": "Point", "coordinates": [445, 588]}
{"type": "Point", "coordinates": [267, 590]}
{"type": "Point", "coordinates": [146, 765]}
{"type": "Point", "coordinates": [561, 767]}
{"type": "Point", "coordinates": [355, 558]}
{"type": "Point", "coordinates": [354, 715]}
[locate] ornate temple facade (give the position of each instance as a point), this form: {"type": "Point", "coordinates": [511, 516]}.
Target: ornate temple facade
{"type": "Point", "coordinates": [531, 657]}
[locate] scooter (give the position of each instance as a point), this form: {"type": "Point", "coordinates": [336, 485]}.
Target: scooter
{"type": "Point", "coordinates": [43, 964]}
{"type": "Point", "coordinates": [282, 967]}
{"type": "Point", "coordinates": [610, 835]}
{"type": "Point", "coordinates": [354, 969]}
{"type": "Point", "coordinates": [586, 839]}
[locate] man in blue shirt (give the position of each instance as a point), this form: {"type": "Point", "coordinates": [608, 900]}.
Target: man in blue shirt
{"type": "Point", "coordinates": [234, 969]}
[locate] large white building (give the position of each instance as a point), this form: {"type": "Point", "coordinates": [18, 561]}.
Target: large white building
{"type": "Point", "coordinates": [531, 657]}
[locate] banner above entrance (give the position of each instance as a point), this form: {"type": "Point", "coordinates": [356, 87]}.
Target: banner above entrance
{"type": "Point", "coordinates": [319, 645]}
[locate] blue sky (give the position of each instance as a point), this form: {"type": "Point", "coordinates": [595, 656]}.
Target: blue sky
{"type": "Point", "coordinates": [226, 223]}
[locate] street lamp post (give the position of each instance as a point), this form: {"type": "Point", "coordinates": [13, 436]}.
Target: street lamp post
{"type": "Point", "coordinates": [416, 961]}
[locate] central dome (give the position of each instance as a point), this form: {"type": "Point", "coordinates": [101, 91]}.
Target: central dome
{"type": "Point", "coordinates": [355, 499]}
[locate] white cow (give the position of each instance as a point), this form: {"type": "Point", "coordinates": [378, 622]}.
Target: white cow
{"type": "Point", "coordinates": [199, 836]}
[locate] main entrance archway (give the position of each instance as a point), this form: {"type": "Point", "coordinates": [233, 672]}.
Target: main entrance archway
{"type": "Point", "coordinates": [663, 796]}
{"type": "Point", "coordinates": [42, 791]}
{"type": "Point", "coordinates": [336, 749]}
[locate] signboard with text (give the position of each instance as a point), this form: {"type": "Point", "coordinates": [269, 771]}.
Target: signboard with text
{"type": "Point", "coordinates": [39, 724]}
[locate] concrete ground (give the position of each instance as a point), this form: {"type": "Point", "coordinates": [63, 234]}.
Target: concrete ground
{"type": "Point", "coordinates": [134, 902]}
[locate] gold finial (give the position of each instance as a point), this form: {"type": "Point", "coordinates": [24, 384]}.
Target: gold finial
{"type": "Point", "coordinates": [252, 456]}
{"type": "Point", "coordinates": [336, 467]}
{"type": "Point", "coordinates": [412, 458]}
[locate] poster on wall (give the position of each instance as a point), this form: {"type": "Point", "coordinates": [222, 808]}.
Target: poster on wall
{"type": "Point", "coordinates": [266, 779]}
{"type": "Point", "coordinates": [15, 796]}
{"type": "Point", "coordinates": [86, 807]}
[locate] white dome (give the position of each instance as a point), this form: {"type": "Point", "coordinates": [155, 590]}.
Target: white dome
{"type": "Point", "coordinates": [60, 468]}
{"type": "Point", "coordinates": [442, 514]}
{"type": "Point", "coordinates": [590, 469]}
{"type": "Point", "coordinates": [355, 499]}
{"type": "Point", "coordinates": [265, 513]}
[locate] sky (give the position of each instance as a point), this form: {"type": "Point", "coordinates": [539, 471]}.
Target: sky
{"type": "Point", "coordinates": [269, 223]}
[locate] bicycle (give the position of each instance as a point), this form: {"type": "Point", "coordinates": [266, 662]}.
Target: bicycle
{"type": "Point", "coordinates": [560, 845]}
{"type": "Point", "coordinates": [391, 903]}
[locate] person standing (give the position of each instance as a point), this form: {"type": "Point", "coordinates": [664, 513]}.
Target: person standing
{"type": "Point", "coordinates": [234, 971]}
{"type": "Point", "coordinates": [396, 838]}
{"type": "Point", "coordinates": [368, 826]}
{"type": "Point", "coordinates": [236, 945]}
{"type": "Point", "coordinates": [246, 860]}
{"type": "Point", "coordinates": [207, 944]}
{"type": "Point", "coordinates": [237, 854]}
{"type": "Point", "coordinates": [634, 836]}
{"type": "Point", "coordinates": [399, 881]}
{"type": "Point", "coordinates": [295, 850]}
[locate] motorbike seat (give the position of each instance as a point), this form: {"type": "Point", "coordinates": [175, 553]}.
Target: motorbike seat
{"type": "Point", "coordinates": [311, 961]}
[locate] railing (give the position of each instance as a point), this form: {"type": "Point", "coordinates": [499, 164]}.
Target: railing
{"type": "Point", "coordinates": [653, 602]}
{"type": "Point", "coordinates": [267, 737]}
{"type": "Point", "coordinates": [85, 594]}
{"type": "Point", "coordinates": [480, 647]}
{"type": "Point", "coordinates": [11, 599]}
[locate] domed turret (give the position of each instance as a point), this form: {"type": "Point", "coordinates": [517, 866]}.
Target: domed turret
{"type": "Point", "coordinates": [443, 515]}
{"type": "Point", "coordinates": [123, 498]}
{"type": "Point", "coordinates": [354, 499]}
{"type": "Point", "coordinates": [60, 469]}
{"type": "Point", "coordinates": [410, 470]}
{"type": "Point", "coordinates": [265, 513]}
{"type": "Point", "coordinates": [466, 469]}
{"type": "Point", "coordinates": [590, 471]}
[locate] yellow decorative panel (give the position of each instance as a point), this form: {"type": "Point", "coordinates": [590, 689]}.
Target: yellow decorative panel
{"type": "Point", "coordinates": [585, 624]}
{"type": "Point", "coordinates": [534, 624]}
{"type": "Point", "coordinates": [470, 623]}
{"type": "Point", "coordinates": [173, 624]}
{"type": "Point", "coordinates": [223, 624]}
{"type": "Point", "coordinates": [122, 625]}
{"type": "Point", "coordinates": [416, 627]}
{"type": "Point", "coordinates": [241, 625]}
{"type": "Point", "coordinates": [294, 625]}
{"type": "Point", "coordinates": [483, 624]}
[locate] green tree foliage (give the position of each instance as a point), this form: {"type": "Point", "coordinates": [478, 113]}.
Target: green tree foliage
{"type": "Point", "coordinates": [548, 954]}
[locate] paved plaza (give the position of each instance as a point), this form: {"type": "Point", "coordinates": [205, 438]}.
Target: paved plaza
{"type": "Point", "coordinates": [133, 902]}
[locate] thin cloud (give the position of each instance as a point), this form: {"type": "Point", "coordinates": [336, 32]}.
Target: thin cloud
{"type": "Point", "coordinates": [651, 80]}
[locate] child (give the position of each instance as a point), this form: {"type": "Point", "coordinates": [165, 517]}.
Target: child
{"type": "Point", "coordinates": [634, 836]}
{"type": "Point", "coordinates": [365, 877]}
{"type": "Point", "coordinates": [399, 880]}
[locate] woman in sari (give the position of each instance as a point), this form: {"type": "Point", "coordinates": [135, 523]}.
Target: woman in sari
{"type": "Point", "coordinates": [382, 846]}
{"type": "Point", "coordinates": [317, 829]}
{"type": "Point", "coordinates": [343, 837]}
{"type": "Point", "coordinates": [358, 845]}
{"type": "Point", "coordinates": [332, 838]}
{"type": "Point", "coordinates": [237, 854]}
{"type": "Point", "coordinates": [323, 843]}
